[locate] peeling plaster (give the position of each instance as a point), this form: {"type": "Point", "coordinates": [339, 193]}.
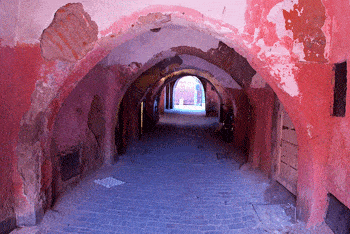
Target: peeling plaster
{"type": "Point", "coordinates": [276, 50]}
{"type": "Point", "coordinates": [70, 36]}
{"type": "Point", "coordinates": [287, 82]}
{"type": "Point", "coordinates": [219, 29]}
{"type": "Point", "coordinates": [298, 49]}
{"type": "Point", "coordinates": [276, 16]}
{"type": "Point", "coordinates": [35, 16]}
{"type": "Point", "coordinates": [305, 20]}
{"type": "Point", "coordinates": [309, 128]}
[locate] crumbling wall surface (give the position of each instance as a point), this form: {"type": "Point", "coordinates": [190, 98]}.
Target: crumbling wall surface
{"type": "Point", "coordinates": [71, 34]}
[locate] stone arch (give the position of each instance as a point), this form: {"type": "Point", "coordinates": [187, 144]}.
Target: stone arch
{"type": "Point", "coordinates": [203, 76]}
{"type": "Point", "coordinates": [47, 100]}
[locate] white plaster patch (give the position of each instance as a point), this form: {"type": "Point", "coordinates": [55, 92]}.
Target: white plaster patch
{"type": "Point", "coordinates": [309, 128]}
{"type": "Point", "coordinates": [298, 48]}
{"type": "Point", "coordinates": [218, 28]}
{"type": "Point", "coordinates": [109, 182]}
{"type": "Point", "coordinates": [277, 50]}
{"type": "Point", "coordinates": [247, 44]}
{"type": "Point", "coordinates": [263, 47]}
{"type": "Point", "coordinates": [327, 29]}
{"type": "Point", "coordinates": [288, 83]}
{"type": "Point", "coordinates": [276, 16]}
{"type": "Point", "coordinates": [256, 33]}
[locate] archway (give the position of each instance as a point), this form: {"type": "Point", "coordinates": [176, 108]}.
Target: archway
{"type": "Point", "coordinates": [189, 95]}
{"type": "Point", "coordinates": [131, 71]}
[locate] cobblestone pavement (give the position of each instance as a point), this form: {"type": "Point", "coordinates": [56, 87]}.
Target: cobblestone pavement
{"type": "Point", "coordinates": [175, 182]}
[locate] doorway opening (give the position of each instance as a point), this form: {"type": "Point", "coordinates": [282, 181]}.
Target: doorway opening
{"type": "Point", "coordinates": [189, 95]}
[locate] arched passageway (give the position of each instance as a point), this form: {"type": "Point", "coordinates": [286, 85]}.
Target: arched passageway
{"type": "Point", "coordinates": [82, 130]}
{"type": "Point", "coordinates": [121, 77]}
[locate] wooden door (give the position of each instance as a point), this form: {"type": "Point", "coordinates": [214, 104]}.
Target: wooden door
{"type": "Point", "coordinates": [287, 152]}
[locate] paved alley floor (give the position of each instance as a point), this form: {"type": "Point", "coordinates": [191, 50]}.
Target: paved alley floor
{"type": "Point", "coordinates": [181, 178]}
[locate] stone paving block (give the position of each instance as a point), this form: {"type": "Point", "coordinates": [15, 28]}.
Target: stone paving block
{"type": "Point", "coordinates": [207, 228]}
{"type": "Point", "coordinates": [214, 232]}
{"type": "Point", "coordinates": [236, 226]}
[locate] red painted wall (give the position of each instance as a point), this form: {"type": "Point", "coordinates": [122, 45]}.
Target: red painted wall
{"type": "Point", "coordinates": [19, 68]}
{"type": "Point", "coordinates": [262, 103]}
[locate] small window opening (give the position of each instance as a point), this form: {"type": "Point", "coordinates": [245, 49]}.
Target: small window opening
{"type": "Point", "coordinates": [340, 87]}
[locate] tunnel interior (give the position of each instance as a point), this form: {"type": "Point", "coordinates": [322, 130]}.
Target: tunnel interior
{"type": "Point", "coordinates": [91, 88]}
{"type": "Point", "coordinates": [120, 99]}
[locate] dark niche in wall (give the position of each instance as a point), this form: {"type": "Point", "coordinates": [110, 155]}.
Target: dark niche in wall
{"type": "Point", "coordinates": [338, 216]}
{"type": "Point", "coordinates": [340, 87]}
{"type": "Point", "coordinates": [70, 165]}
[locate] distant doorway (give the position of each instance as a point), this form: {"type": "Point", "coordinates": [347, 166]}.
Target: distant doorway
{"type": "Point", "coordinates": [189, 95]}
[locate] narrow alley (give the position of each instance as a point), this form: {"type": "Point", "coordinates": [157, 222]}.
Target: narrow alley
{"type": "Point", "coordinates": [180, 178]}
{"type": "Point", "coordinates": [92, 139]}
